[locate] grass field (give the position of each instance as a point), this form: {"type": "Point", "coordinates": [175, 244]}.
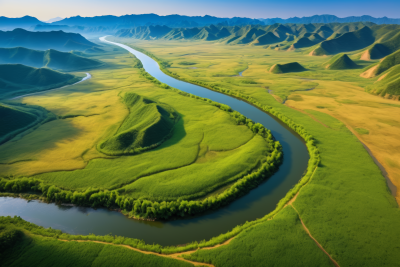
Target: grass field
{"type": "Point", "coordinates": [21, 248]}
{"type": "Point", "coordinates": [93, 115]}
{"type": "Point", "coordinates": [347, 196]}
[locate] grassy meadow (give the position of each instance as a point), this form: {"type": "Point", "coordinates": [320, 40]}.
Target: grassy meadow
{"type": "Point", "coordinates": [347, 196]}
{"type": "Point", "coordinates": [203, 152]}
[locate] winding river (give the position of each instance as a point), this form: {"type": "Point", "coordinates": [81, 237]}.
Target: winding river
{"type": "Point", "coordinates": [256, 204]}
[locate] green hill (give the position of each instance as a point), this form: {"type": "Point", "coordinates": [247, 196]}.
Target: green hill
{"type": "Point", "coordinates": [148, 124]}
{"type": "Point", "coordinates": [15, 119]}
{"type": "Point", "coordinates": [387, 63]}
{"type": "Point", "coordinates": [58, 40]}
{"type": "Point", "coordinates": [388, 84]}
{"type": "Point", "coordinates": [50, 58]}
{"type": "Point", "coordinates": [285, 68]}
{"type": "Point", "coordinates": [340, 62]}
{"type": "Point", "coordinates": [349, 41]}
{"type": "Point", "coordinates": [17, 79]}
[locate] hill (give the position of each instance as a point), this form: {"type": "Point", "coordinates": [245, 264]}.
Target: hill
{"type": "Point", "coordinates": [15, 119]}
{"type": "Point", "coordinates": [340, 62]}
{"type": "Point", "coordinates": [17, 79]}
{"type": "Point", "coordinates": [50, 58]}
{"type": "Point", "coordinates": [388, 85]}
{"type": "Point", "coordinates": [58, 40]}
{"type": "Point", "coordinates": [349, 41]}
{"type": "Point", "coordinates": [387, 63]}
{"type": "Point", "coordinates": [148, 124]}
{"type": "Point", "coordinates": [285, 68]}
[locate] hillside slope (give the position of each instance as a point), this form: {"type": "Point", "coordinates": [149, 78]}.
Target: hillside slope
{"type": "Point", "coordinates": [148, 124]}
{"type": "Point", "coordinates": [286, 68]}
{"type": "Point", "coordinates": [17, 79]}
{"type": "Point", "coordinates": [340, 62]}
{"type": "Point", "coordinates": [50, 58]}
{"type": "Point", "coordinates": [58, 40]}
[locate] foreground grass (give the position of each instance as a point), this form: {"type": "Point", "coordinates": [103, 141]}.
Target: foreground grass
{"type": "Point", "coordinates": [20, 248]}
{"type": "Point", "coordinates": [282, 242]}
{"type": "Point", "coordinates": [346, 206]}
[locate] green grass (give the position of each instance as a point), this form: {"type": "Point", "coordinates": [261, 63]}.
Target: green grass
{"type": "Point", "coordinates": [279, 242]}
{"type": "Point", "coordinates": [17, 79]}
{"type": "Point", "coordinates": [25, 249]}
{"type": "Point", "coordinates": [50, 58]}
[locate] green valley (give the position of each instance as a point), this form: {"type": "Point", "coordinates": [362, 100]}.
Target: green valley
{"type": "Point", "coordinates": [200, 140]}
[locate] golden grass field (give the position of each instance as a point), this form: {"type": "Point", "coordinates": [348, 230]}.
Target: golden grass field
{"type": "Point", "coordinates": [338, 93]}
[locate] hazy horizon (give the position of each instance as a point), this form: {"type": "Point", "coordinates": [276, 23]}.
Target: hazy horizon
{"type": "Point", "coordinates": [46, 9]}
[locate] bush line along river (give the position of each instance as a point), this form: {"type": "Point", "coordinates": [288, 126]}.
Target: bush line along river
{"type": "Point", "coordinates": [256, 204]}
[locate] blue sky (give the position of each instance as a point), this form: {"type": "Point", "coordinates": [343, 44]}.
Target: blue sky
{"type": "Point", "coordinates": [46, 9]}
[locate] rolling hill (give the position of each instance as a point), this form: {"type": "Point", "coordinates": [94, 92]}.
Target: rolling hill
{"type": "Point", "coordinates": [18, 79]}
{"type": "Point", "coordinates": [340, 62]}
{"type": "Point", "coordinates": [58, 40]}
{"type": "Point", "coordinates": [388, 85]}
{"type": "Point", "coordinates": [50, 58]}
{"type": "Point", "coordinates": [286, 68]}
{"type": "Point", "coordinates": [148, 124]}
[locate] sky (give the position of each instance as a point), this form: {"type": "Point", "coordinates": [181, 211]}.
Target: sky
{"type": "Point", "coordinates": [47, 9]}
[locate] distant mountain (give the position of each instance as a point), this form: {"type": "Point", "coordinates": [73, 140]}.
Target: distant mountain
{"type": "Point", "coordinates": [317, 39]}
{"type": "Point", "coordinates": [75, 29]}
{"type": "Point", "coordinates": [53, 20]}
{"type": "Point", "coordinates": [24, 22]}
{"type": "Point", "coordinates": [129, 21]}
{"type": "Point", "coordinates": [330, 19]}
{"type": "Point", "coordinates": [45, 40]}
{"type": "Point", "coordinates": [50, 58]}
{"type": "Point", "coordinates": [17, 79]}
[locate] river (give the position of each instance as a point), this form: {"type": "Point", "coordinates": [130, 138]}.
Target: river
{"type": "Point", "coordinates": [259, 202]}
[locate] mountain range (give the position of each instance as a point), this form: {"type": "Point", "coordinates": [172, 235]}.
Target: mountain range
{"type": "Point", "coordinates": [58, 40]}
{"type": "Point", "coordinates": [50, 59]}
{"type": "Point", "coordinates": [111, 23]}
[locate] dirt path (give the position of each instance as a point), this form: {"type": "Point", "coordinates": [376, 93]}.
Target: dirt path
{"type": "Point", "coordinates": [318, 244]}
{"type": "Point", "coordinates": [175, 256]}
